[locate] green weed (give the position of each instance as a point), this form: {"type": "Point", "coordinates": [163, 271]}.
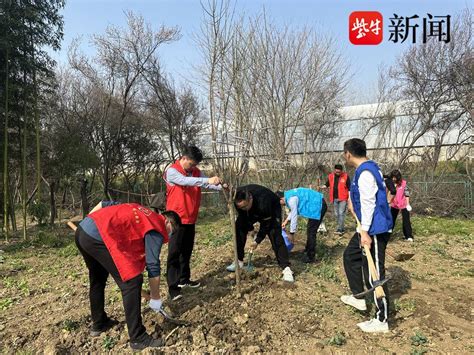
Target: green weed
{"type": "Point", "coordinates": [418, 351]}
{"type": "Point", "coordinates": [339, 339]}
{"type": "Point", "coordinates": [16, 285]}
{"type": "Point", "coordinates": [108, 343]}
{"type": "Point", "coordinates": [408, 305]}
{"type": "Point", "coordinates": [327, 271]}
{"type": "Point", "coordinates": [5, 303]}
{"type": "Point", "coordinates": [418, 339]}
{"type": "Point", "coordinates": [70, 325]}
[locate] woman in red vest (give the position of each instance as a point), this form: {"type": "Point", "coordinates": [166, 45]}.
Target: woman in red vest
{"type": "Point", "coordinates": [121, 240]}
{"type": "Point", "coordinates": [183, 195]}
{"type": "Point", "coordinates": [401, 202]}
{"type": "Point", "coordinates": [339, 185]}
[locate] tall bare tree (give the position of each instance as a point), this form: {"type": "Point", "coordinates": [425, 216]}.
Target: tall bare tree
{"type": "Point", "coordinates": [112, 80]}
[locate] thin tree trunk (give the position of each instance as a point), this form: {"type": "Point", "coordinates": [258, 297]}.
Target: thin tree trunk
{"type": "Point", "coordinates": [37, 129]}
{"type": "Point", "coordinates": [11, 208]}
{"type": "Point", "coordinates": [84, 199]}
{"type": "Point", "coordinates": [5, 151]}
{"type": "Point", "coordinates": [52, 188]}
{"type": "Point", "coordinates": [234, 233]}
{"type": "Point", "coordinates": [23, 163]}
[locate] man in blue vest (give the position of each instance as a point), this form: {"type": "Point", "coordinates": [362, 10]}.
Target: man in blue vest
{"type": "Point", "coordinates": [305, 203]}
{"type": "Point", "coordinates": [369, 203]}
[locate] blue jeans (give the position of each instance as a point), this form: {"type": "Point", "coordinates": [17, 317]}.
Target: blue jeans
{"type": "Point", "coordinates": [340, 208]}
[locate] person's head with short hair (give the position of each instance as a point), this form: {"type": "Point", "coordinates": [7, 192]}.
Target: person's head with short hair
{"type": "Point", "coordinates": [243, 200]}
{"type": "Point", "coordinates": [355, 151]}
{"type": "Point", "coordinates": [281, 196]}
{"type": "Point", "coordinates": [172, 221]}
{"type": "Point", "coordinates": [338, 169]}
{"type": "Point", "coordinates": [191, 157]}
{"type": "Point", "coordinates": [396, 176]}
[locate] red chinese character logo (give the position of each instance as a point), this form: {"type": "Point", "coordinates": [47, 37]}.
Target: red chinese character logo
{"type": "Point", "coordinates": [365, 27]}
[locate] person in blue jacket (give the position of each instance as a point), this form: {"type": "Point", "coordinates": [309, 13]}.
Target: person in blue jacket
{"type": "Point", "coordinates": [368, 201]}
{"type": "Point", "coordinates": [305, 203]}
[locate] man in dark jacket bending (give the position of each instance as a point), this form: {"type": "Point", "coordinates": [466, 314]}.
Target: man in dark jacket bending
{"type": "Point", "coordinates": [255, 203]}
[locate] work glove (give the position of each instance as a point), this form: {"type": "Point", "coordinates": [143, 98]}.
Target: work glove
{"type": "Point", "coordinates": [156, 304]}
{"type": "Point", "coordinates": [409, 208]}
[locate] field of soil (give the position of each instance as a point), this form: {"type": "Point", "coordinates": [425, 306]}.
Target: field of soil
{"type": "Point", "coordinates": [44, 297]}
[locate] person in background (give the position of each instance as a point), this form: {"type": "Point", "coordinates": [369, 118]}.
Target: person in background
{"type": "Point", "coordinates": [255, 203]}
{"type": "Point", "coordinates": [391, 189]}
{"type": "Point", "coordinates": [183, 194]}
{"type": "Point", "coordinates": [339, 184]}
{"type": "Point", "coordinates": [401, 202]}
{"type": "Point", "coordinates": [368, 200]}
{"type": "Point", "coordinates": [121, 240]}
{"type": "Point", "coordinates": [309, 204]}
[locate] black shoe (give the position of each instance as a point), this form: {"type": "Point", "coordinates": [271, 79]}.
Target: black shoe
{"type": "Point", "coordinates": [175, 295]}
{"type": "Point", "coordinates": [96, 331]}
{"type": "Point", "coordinates": [308, 260]}
{"type": "Point", "coordinates": [193, 284]}
{"type": "Point", "coordinates": [148, 342]}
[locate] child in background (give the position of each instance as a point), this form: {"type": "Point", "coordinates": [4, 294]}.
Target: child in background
{"type": "Point", "coordinates": [401, 202]}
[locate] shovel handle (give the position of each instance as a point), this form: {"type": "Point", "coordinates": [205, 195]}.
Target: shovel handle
{"type": "Point", "coordinates": [379, 292]}
{"type": "Point", "coordinates": [72, 226]}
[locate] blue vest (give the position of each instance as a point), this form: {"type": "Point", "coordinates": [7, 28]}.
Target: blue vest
{"type": "Point", "coordinates": [310, 202]}
{"type": "Point", "coordinates": [382, 219]}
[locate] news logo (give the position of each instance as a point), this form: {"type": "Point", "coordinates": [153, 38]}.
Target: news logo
{"type": "Point", "coordinates": [366, 28]}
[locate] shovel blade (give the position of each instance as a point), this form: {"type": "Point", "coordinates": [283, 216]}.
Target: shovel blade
{"type": "Point", "coordinates": [171, 319]}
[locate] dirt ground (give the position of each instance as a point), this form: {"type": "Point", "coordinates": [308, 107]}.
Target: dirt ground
{"type": "Point", "coordinates": [44, 297]}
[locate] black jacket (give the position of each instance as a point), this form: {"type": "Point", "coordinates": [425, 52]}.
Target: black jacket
{"type": "Point", "coordinates": [266, 210]}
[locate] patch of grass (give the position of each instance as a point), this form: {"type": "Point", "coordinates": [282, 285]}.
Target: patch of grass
{"type": "Point", "coordinates": [327, 271]}
{"type": "Point", "coordinates": [426, 226]}
{"type": "Point", "coordinates": [69, 250]}
{"type": "Point", "coordinates": [418, 339]}
{"type": "Point", "coordinates": [466, 273]}
{"type": "Point", "coordinates": [213, 240]}
{"type": "Point", "coordinates": [438, 249]}
{"type": "Point", "coordinates": [70, 325]}
{"type": "Point", "coordinates": [408, 305]}
{"type": "Point", "coordinates": [16, 285]}
{"type": "Point", "coordinates": [418, 351]}
{"type": "Point", "coordinates": [5, 303]}
{"type": "Point", "coordinates": [339, 339]}
{"type": "Point", "coordinates": [108, 343]}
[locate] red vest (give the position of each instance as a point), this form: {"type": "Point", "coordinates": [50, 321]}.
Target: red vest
{"type": "Point", "coordinates": [123, 228]}
{"type": "Point", "coordinates": [342, 190]}
{"type": "Point", "coordinates": [184, 200]}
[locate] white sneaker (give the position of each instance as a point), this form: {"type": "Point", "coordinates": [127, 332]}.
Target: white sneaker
{"type": "Point", "coordinates": [373, 326]}
{"type": "Point", "coordinates": [288, 275]}
{"type": "Point", "coordinates": [231, 267]}
{"type": "Point", "coordinates": [354, 302]}
{"type": "Point", "coordinates": [410, 239]}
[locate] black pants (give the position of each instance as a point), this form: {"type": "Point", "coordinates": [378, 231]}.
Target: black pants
{"type": "Point", "coordinates": [406, 224]}
{"type": "Point", "coordinates": [180, 248]}
{"type": "Point", "coordinates": [100, 264]}
{"type": "Point", "coordinates": [273, 230]}
{"type": "Point", "coordinates": [357, 270]}
{"type": "Point", "coordinates": [312, 229]}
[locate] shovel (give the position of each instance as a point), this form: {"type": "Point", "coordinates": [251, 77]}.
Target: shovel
{"type": "Point", "coordinates": [250, 267]}
{"type": "Point", "coordinates": [165, 314]}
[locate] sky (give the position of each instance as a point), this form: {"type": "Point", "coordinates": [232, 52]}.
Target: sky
{"type": "Point", "coordinates": [84, 18]}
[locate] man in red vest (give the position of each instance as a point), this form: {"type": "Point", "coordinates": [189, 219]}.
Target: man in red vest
{"type": "Point", "coordinates": [183, 195]}
{"type": "Point", "coordinates": [339, 185]}
{"type": "Point", "coordinates": [121, 240]}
